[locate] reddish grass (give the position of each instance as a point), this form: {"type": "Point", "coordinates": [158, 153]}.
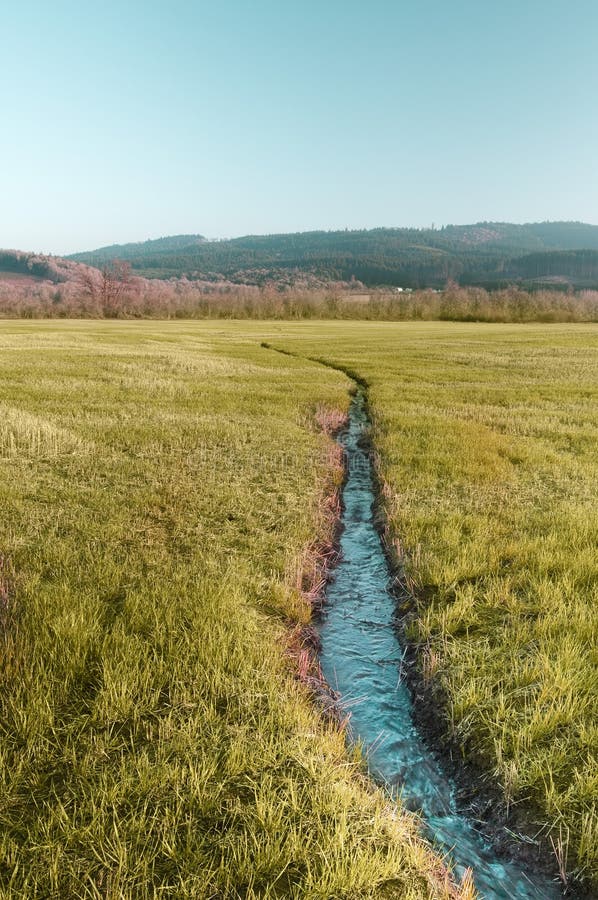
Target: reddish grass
{"type": "Point", "coordinates": [313, 571]}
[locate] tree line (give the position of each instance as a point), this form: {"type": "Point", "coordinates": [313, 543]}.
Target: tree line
{"type": "Point", "coordinates": [114, 292]}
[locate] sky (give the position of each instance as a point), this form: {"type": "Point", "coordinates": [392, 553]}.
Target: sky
{"type": "Point", "coordinates": [123, 122]}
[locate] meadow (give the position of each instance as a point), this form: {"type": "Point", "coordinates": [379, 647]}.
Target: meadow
{"type": "Point", "coordinates": [162, 486]}
{"type": "Point", "coordinates": [161, 483]}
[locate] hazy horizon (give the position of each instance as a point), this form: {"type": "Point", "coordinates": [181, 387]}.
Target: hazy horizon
{"type": "Point", "coordinates": [242, 120]}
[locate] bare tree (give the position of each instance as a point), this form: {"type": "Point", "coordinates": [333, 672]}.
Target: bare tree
{"type": "Point", "coordinates": [107, 286]}
{"type": "Point", "coordinates": [116, 278]}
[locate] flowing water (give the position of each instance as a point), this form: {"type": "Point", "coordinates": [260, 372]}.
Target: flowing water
{"type": "Point", "coordinates": [361, 659]}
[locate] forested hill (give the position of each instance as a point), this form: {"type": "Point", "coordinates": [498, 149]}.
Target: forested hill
{"type": "Point", "coordinates": [185, 243]}
{"type": "Point", "coordinates": [487, 253]}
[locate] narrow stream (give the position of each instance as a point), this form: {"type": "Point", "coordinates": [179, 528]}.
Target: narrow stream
{"type": "Point", "coordinates": [361, 659]}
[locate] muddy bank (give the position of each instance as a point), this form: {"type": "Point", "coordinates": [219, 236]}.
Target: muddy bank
{"type": "Point", "coordinates": [314, 568]}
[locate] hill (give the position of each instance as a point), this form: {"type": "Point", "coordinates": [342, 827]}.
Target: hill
{"type": "Point", "coordinates": [485, 253]}
{"type": "Point", "coordinates": [149, 248]}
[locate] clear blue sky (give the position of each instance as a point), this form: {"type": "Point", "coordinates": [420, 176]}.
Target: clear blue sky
{"type": "Point", "coordinates": [123, 121]}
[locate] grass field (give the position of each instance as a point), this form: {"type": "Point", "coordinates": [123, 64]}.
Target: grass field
{"type": "Point", "coordinates": [488, 440]}
{"type": "Point", "coordinates": [159, 484]}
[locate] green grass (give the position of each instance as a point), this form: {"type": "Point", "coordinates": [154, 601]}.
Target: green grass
{"type": "Point", "coordinates": [153, 739]}
{"type": "Point", "coordinates": [159, 485]}
{"type": "Point", "coordinates": [488, 440]}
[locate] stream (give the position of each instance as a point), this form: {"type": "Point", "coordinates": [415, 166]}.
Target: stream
{"type": "Point", "coordinates": [361, 659]}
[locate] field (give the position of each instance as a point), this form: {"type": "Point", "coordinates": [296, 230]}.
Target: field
{"type": "Point", "coordinates": [160, 485]}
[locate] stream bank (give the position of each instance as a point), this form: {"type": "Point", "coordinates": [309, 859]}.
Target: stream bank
{"type": "Point", "coordinates": [363, 660]}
